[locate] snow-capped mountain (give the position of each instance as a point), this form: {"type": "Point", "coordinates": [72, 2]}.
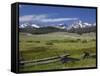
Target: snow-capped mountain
{"type": "Point", "coordinates": [23, 25]}
{"type": "Point", "coordinates": [35, 26]}
{"type": "Point", "coordinates": [80, 24]}
{"type": "Point", "coordinates": [31, 25]}
{"type": "Point", "coordinates": [87, 24]}
{"type": "Point", "coordinates": [76, 27]}
{"type": "Point", "coordinates": [94, 24]}
{"type": "Point", "coordinates": [60, 26]}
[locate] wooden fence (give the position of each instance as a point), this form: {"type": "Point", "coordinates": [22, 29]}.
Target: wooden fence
{"type": "Point", "coordinates": [43, 61]}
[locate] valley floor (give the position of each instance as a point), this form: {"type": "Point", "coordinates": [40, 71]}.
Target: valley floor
{"type": "Point", "coordinates": [34, 47]}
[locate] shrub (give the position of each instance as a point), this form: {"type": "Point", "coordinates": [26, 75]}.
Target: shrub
{"type": "Point", "coordinates": [72, 41]}
{"type": "Point", "coordinates": [93, 39]}
{"type": "Point", "coordinates": [84, 41]}
{"type": "Point", "coordinates": [55, 41]}
{"type": "Point", "coordinates": [29, 41]}
{"type": "Point", "coordinates": [49, 43]}
{"type": "Point", "coordinates": [78, 39]}
{"type": "Point", "coordinates": [37, 41]}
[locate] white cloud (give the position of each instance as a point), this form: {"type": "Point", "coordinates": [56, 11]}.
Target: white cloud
{"type": "Point", "coordinates": [27, 18]}
{"type": "Point", "coordinates": [58, 19]}
{"type": "Point", "coordinates": [42, 18]}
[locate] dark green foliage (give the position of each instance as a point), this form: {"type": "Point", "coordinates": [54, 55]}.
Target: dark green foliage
{"type": "Point", "coordinates": [93, 40]}
{"type": "Point", "coordinates": [37, 41]}
{"type": "Point", "coordinates": [71, 40]}
{"type": "Point", "coordinates": [64, 41]}
{"type": "Point", "coordinates": [30, 41]}
{"type": "Point", "coordinates": [80, 31]}
{"type": "Point", "coordinates": [42, 30]}
{"type": "Point", "coordinates": [49, 43]}
{"type": "Point", "coordinates": [84, 41]}
{"type": "Point", "coordinates": [78, 39]}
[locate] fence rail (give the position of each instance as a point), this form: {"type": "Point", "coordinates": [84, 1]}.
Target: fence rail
{"type": "Point", "coordinates": [63, 58]}
{"type": "Point", "coordinates": [43, 61]}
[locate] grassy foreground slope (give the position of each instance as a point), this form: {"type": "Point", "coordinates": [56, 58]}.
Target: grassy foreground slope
{"type": "Point", "coordinates": [33, 47]}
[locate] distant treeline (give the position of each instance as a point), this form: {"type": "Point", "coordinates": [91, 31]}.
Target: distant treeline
{"type": "Point", "coordinates": [42, 30]}
{"type": "Point", "coordinates": [83, 30]}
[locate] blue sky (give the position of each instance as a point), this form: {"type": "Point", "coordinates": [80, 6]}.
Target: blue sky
{"type": "Point", "coordinates": [48, 15]}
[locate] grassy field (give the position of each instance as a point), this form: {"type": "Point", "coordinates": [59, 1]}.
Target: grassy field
{"type": "Point", "coordinates": [34, 47]}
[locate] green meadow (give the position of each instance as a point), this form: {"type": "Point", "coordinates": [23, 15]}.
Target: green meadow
{"type": "Point", "coordinates": [33, 47]}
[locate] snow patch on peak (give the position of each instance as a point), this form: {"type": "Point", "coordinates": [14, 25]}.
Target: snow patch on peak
{"type": "Point", "coordinates": [36, 26]}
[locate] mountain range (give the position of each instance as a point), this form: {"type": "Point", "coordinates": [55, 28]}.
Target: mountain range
{"type": "Point", "coordinates": [77, 26]}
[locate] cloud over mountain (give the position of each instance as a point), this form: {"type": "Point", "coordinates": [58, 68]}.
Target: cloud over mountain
{"type": "Point", "coordinates": [43, 18]}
